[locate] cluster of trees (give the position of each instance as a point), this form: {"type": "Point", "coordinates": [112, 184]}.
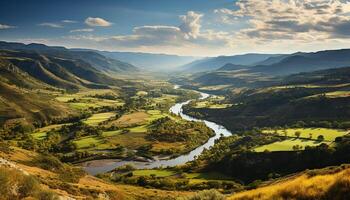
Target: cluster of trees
{"type": "Point", "coordinates": [124, 174]}
{"type": "Point", "coordinates": [168, 130]}
{"type": "Point", "coordinates": [278, 108]}
{"type": "Point", "coordinates": [234, 157]}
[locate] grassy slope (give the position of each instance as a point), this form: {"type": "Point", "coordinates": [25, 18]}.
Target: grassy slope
{"type": "Point", "coordinates": [51, 180]}
{"type": "Point", "coordinates": [333, 185]}
{"type": "Point", "coordinates": [23, 105]}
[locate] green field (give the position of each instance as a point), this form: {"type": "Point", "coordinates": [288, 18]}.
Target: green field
{"type": "Point", "coordinates": [287, 145]}
{"type": "Point", "coordinates": [95, 119]}
{"type": "Point", "coordinates": [156, 172]}
{"type": "Point", "coordinates": [87, 142]}
{"type": "Point", "coordinates": [40, 133]}
{"type": "Point", "coordinates": [194, 177]}
{"type": "Point", "coordinates": [328, 134]}
{"type": "Point", "coordinates": [84, 100]}
{"type": "Point", "coordinates": [111, 133]}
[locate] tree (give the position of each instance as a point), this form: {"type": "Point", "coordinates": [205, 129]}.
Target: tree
{"type": "Point", "coordinates": [297, 134]}
{"type": "Point", "coordinates": [296, 147]}
{"type": "Point", "coordinates": [320, 138]}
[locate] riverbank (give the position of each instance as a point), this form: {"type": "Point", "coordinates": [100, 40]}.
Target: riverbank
{"type": "Point", "coordinates": [96, 167]}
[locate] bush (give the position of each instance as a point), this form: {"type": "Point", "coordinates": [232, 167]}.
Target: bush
{"type": "Point", "coordinates": [16, 185]}
{"type": "Point", "coordinates": [48, 162]}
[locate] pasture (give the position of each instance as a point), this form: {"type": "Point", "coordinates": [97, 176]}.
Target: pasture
{"type": "Point", "coordinates": [287, 145]}
{"type": "Point", "coordinates": [95, 119]}
{"type": "Point", "coordinates": [40, 133]}
{"type": "Point", "coordinates": [309, 133]}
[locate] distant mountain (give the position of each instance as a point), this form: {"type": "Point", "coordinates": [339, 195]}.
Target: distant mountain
{"type": "Point", "coordinates": [306, 62]}
{"type": "Point", "coordinates": [96, 60]}
{"type": "Point", "coordinates": [214, 63]}
{"type": "Point", "coordinates": [148, 61]}
{"type": "Point", "coordinates": [283, 65]}
{"type": "Point", "coordinates": [230, 67]}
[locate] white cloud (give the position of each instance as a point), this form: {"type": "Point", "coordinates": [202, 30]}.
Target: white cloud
{"type": "Point", "coordinates": [82, 30]}
{"type": "Point", "coordinates": [52, 25]}
{"type": "Point", "coordinates": [191, 24]}
{"type": "Point", "coordinates": [4, 26]}
{"type": "Point", "coordinates": [96, 21]}
{"type": "Point", "coordinates": [305, 20]}
{"type": "Point", "coordinates": [69, 21]}
{"type": "Point", "coordinates": [182, 39]}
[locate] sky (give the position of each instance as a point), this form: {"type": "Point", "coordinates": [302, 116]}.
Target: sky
{"type": "Point", "coordinates": [181, 27]}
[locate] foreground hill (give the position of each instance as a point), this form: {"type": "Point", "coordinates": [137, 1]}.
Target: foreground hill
{"type": "Point", "coordinates": [43, 177]}
{"type": "Point", "coordinates": [329, 183]}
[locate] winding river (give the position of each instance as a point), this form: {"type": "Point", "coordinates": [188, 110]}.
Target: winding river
{"type": "Point", "coordinates": [102, 166]}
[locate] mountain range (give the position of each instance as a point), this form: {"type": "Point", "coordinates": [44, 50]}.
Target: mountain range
{"type": "Point", "coordinates": [214, 63]}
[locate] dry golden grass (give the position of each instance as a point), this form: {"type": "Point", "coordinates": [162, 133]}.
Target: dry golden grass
{"type": "Point", "coordinates": [329, 186]}
{"type": "Point", "coordinates": [130, 119]}
{"type": "Point", "coordinates": [87, 182]}
{"type": "Point", "coordinates": [159, 146]}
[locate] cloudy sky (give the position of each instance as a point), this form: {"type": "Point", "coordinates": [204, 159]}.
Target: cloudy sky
{"type": "Point", "coordinates": [182, 27]}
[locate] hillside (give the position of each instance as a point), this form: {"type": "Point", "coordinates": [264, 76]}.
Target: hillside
{"type": "Point", "coordinates": [329, 183]}
{"type": "Point", "coordinates": [96, 60]}
{"type": "Point", "coordinates": [51, 179]}
{"type": "Point", "coordinates": [150, 61]}
{"type": "Point", "coordinates": [238, 75]}
{"type": "Point", "coordinates": [58, 72]}
{"type": "Point", "coordinates": [25, 99]}
{"type": "Point", "coordinates": [214, 63]}
{"type": "Point", "coordinates": [306, 62]}
{"type": "Point", "coordinates": [281, 101]}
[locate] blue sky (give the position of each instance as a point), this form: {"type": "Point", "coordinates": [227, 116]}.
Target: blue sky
{"type": "Point", "coordinates": [184, 27]}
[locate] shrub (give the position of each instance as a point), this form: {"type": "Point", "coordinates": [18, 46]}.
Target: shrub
{"type": "Point", "coordinates": [16, 185]}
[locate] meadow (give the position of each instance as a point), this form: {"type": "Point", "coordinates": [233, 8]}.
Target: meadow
{"type": "Point", "coordinates": [95, 119]}
{"type": "Point", "coordinates": [309, 133]}
{"type": "Point", "coordinates": [287, 145]}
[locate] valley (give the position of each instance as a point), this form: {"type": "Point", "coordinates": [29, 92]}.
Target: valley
{"type": "Point", "coordinates": [84, 131]}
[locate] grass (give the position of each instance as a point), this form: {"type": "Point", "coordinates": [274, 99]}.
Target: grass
{"type": "Point", "coordinates": [328, 134]}
{"type": "Point", "coordinates": [327, 186]}
{"type": "Point", "coordinates": [139, 129]}
{"type": "Point", "coordinates": [287, 145]}
{"type": "Point", "coordinates": [215, 87]}
{"type": "Point", "coordinates": [87, 142]}
{"type": "Point", "coordinates": [41, 133]}
{"type": "Point", "coordinates": [84, 99]}
{"type": "Point", "coordinates": [197, 177]}
{"type": "Point", "coordinates": [156, 172]}
{"type": "Point", "coordinates": [111, 133]}
{"type": "Point", "coordinates": [130, 119]}
{"type": "Point", "coordinates": [95, 119]}
{"type": "Point", "coordinates": [335, 94]}
{"type": "Point", "coordinates": [141, 93]}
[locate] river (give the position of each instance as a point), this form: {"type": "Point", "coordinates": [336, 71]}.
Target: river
{"type": "Point", "coordinates": [102, 166]}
